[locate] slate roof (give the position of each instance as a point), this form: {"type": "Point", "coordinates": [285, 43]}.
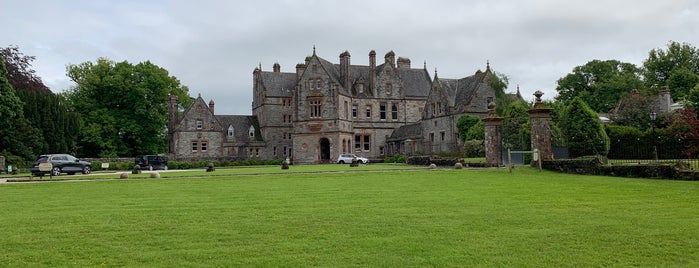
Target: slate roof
{"type": "Point", "coordinates": [413, 131]}
{"type": "Point", "coordinates": [460, 91]}
{"type": "Point", "coordinates": [278, 84]}
{"type": "Point", "coordinates": [241, 124]}
{"type": "Point", "coordinates": [415, 81]}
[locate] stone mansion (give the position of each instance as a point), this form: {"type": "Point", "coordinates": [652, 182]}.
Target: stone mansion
{"type": "Point", "coordinates": [324, 109]}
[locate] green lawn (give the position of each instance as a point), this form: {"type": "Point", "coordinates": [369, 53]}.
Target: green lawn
{"type": "Point", "coordinates": [367, 218]}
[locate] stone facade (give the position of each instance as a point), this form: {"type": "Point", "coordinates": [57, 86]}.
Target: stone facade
{"type": "Point", "coordinates": [324, 109]}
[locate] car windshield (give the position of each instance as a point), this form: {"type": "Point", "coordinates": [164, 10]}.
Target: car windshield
{"type": "Point", "coordinates": [42, 159]}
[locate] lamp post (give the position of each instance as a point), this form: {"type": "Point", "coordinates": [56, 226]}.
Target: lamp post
{"type": "Point", "coordinates": [653, 115]}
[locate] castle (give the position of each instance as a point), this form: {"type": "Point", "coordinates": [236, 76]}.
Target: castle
{"type": "Point", "coordinates": [325, 109]}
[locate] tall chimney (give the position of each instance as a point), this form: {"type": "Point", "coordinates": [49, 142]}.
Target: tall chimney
{"type": "Point", "coordinates": [276, 67]}
{"type": "Point", "coordinates": [344, 68]}
{"type": "Point", "coordinates": [299, 70]}
{"type": "Point", "coordinates": [211, 106]}
{"type": "Point", "coordinates": [403, 63]}
{"type": "Point", "coordinates": [391, 58]}
{"type": "Point", "coordinates": [372, 68]}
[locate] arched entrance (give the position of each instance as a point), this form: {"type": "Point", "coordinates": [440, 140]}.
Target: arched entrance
{"type": "Point", "coordinates": [324, 150]}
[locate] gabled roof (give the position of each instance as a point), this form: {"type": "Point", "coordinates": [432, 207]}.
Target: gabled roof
{"type": "Point", "coordinates": [460, 91]}
{"type": "Point", "coordinates": [241, 124]}
{"type": "Point", "coordinates": [205, 107]}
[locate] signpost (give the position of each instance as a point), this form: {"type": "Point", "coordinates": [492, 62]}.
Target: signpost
{"type": "Point", "coordinates": [46, 167]}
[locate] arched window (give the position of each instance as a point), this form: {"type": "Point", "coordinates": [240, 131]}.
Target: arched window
{"type": "Point", "coordinates": [251, 132]}
{"type": "Point", "coordinates": [231, 131]}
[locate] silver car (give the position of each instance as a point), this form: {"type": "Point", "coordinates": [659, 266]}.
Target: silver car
{"type": "Point", "coordinates": [347, 158]}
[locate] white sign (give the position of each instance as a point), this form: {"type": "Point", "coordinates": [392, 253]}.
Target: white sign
{"type": "Point", "coordinates": [45, 167]}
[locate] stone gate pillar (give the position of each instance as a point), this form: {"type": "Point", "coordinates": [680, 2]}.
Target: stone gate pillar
{"type": "Point", "coordinates": [493, 137]}
{"type": "Point", "coordinates": [540, 120]}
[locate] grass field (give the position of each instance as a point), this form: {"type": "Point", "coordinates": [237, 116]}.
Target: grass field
{"type": "Point", "coordinates": [357, 217]}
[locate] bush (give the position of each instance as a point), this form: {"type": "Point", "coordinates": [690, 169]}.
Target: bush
{"type": "Point", "coordinates": [399, 158]}
{"type": "Point", "coordinates": [474, 148]}
{"type": "Point", "coordinates": [96, 165]}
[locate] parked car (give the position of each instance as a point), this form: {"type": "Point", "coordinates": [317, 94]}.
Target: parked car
{"type": "Point", "coordinates": [61, 163]}
{"type": "Point", "coordinates": [151, 162]}
{"type": "Point", "coordinates": [347, 158]}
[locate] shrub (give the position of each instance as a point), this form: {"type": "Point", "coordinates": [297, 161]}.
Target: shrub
{"type": "Point", "coordinates": [399, 158]}
{"type": "Point", "coordinates": [474, 148]}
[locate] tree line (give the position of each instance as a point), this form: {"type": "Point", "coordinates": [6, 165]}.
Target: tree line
{"type": "Point", "coordinates": [114, 109]}
{"type": "Point", "coordinates": [621, 91]}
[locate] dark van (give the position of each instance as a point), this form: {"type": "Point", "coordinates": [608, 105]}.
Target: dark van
{"type": "Point", "coordinates": [151, 162]}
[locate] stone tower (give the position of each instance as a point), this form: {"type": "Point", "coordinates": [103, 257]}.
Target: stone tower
{"type": "Point", "coordinates": [540, 119]}
{"type": "Point", "coordinates": [493, 137]}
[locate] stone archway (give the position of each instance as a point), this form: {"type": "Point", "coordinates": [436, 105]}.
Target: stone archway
{"type": "Point", "coordinates": [324, 150]}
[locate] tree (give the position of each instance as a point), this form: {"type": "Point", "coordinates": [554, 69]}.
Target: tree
{"type": "Point", "coordinates": [476, 132]}
{"type": "Point", "coordinates": [498, 82]}
{"type": "Point", "coordinates": [464, 123]}
{"type": "Point", "coordinates": [19, 71]}
{"type": "Point", "coordinates": [123, 107]}
{"type": "Point", "coordinates": [16, 133]}
{"type": "Point", "coordinates": [684, 125]}
{"type": "Point", "coordinates": [599, 83]}
{"type": "Point", "coordinates": [693, 98]}
{"type": "Point", "coordinates": [681, 82]}
{"type": "Point", "coordinates": [515, 126]}
{"type": "Point", "coordinates": [680, 61]}
{"type": "Point", "coordinates": [45, 111]}
{"type": "Point", "coordinates": [583, 130]}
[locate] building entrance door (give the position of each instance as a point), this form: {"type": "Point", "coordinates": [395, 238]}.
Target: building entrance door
{"type": "Point", "coordinates": [324, 150]}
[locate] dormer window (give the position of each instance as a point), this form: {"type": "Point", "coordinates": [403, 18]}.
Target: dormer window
{"type": "Point", "coordinates": [200, 124]}
{"type": "Point", "coordinates": [360, 88]}
{"type": "Point", "coordinates": [251, 132]}
{"type": "Point", "coordinates": [231, 131]}
{"type": "Point", "coordinates": [318, 82]}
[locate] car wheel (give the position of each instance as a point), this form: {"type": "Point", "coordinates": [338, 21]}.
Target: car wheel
{"type": "Point", "coordinates": [341, 162]}
{"type": "Point", "coordinates": [87, 170]}
{"type": "Point", "coordinates": [56, 171]}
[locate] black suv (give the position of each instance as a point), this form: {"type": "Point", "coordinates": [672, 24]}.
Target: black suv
{"type": "Point", "coordinates": [61, 163]}
{"type": "Point", "coordinates": [151, 162]}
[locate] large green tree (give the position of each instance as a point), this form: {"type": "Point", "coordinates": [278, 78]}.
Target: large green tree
{"type": "Point", "coordinates": [45, 111]}
{"type": "Point", "coordinates": [599, 83]}
{"type": "Point", "coordinates": [583, 130]}
{"type": "Point", "coordinates": [675, 67]}
{"type": "Point", "coordinates": [17, 136]}
{"type": "Point", "coordinates": [123, 106]}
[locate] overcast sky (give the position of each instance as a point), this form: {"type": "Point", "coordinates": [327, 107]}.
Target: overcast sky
{"type": "Point", "coordinates": [213, 46]}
